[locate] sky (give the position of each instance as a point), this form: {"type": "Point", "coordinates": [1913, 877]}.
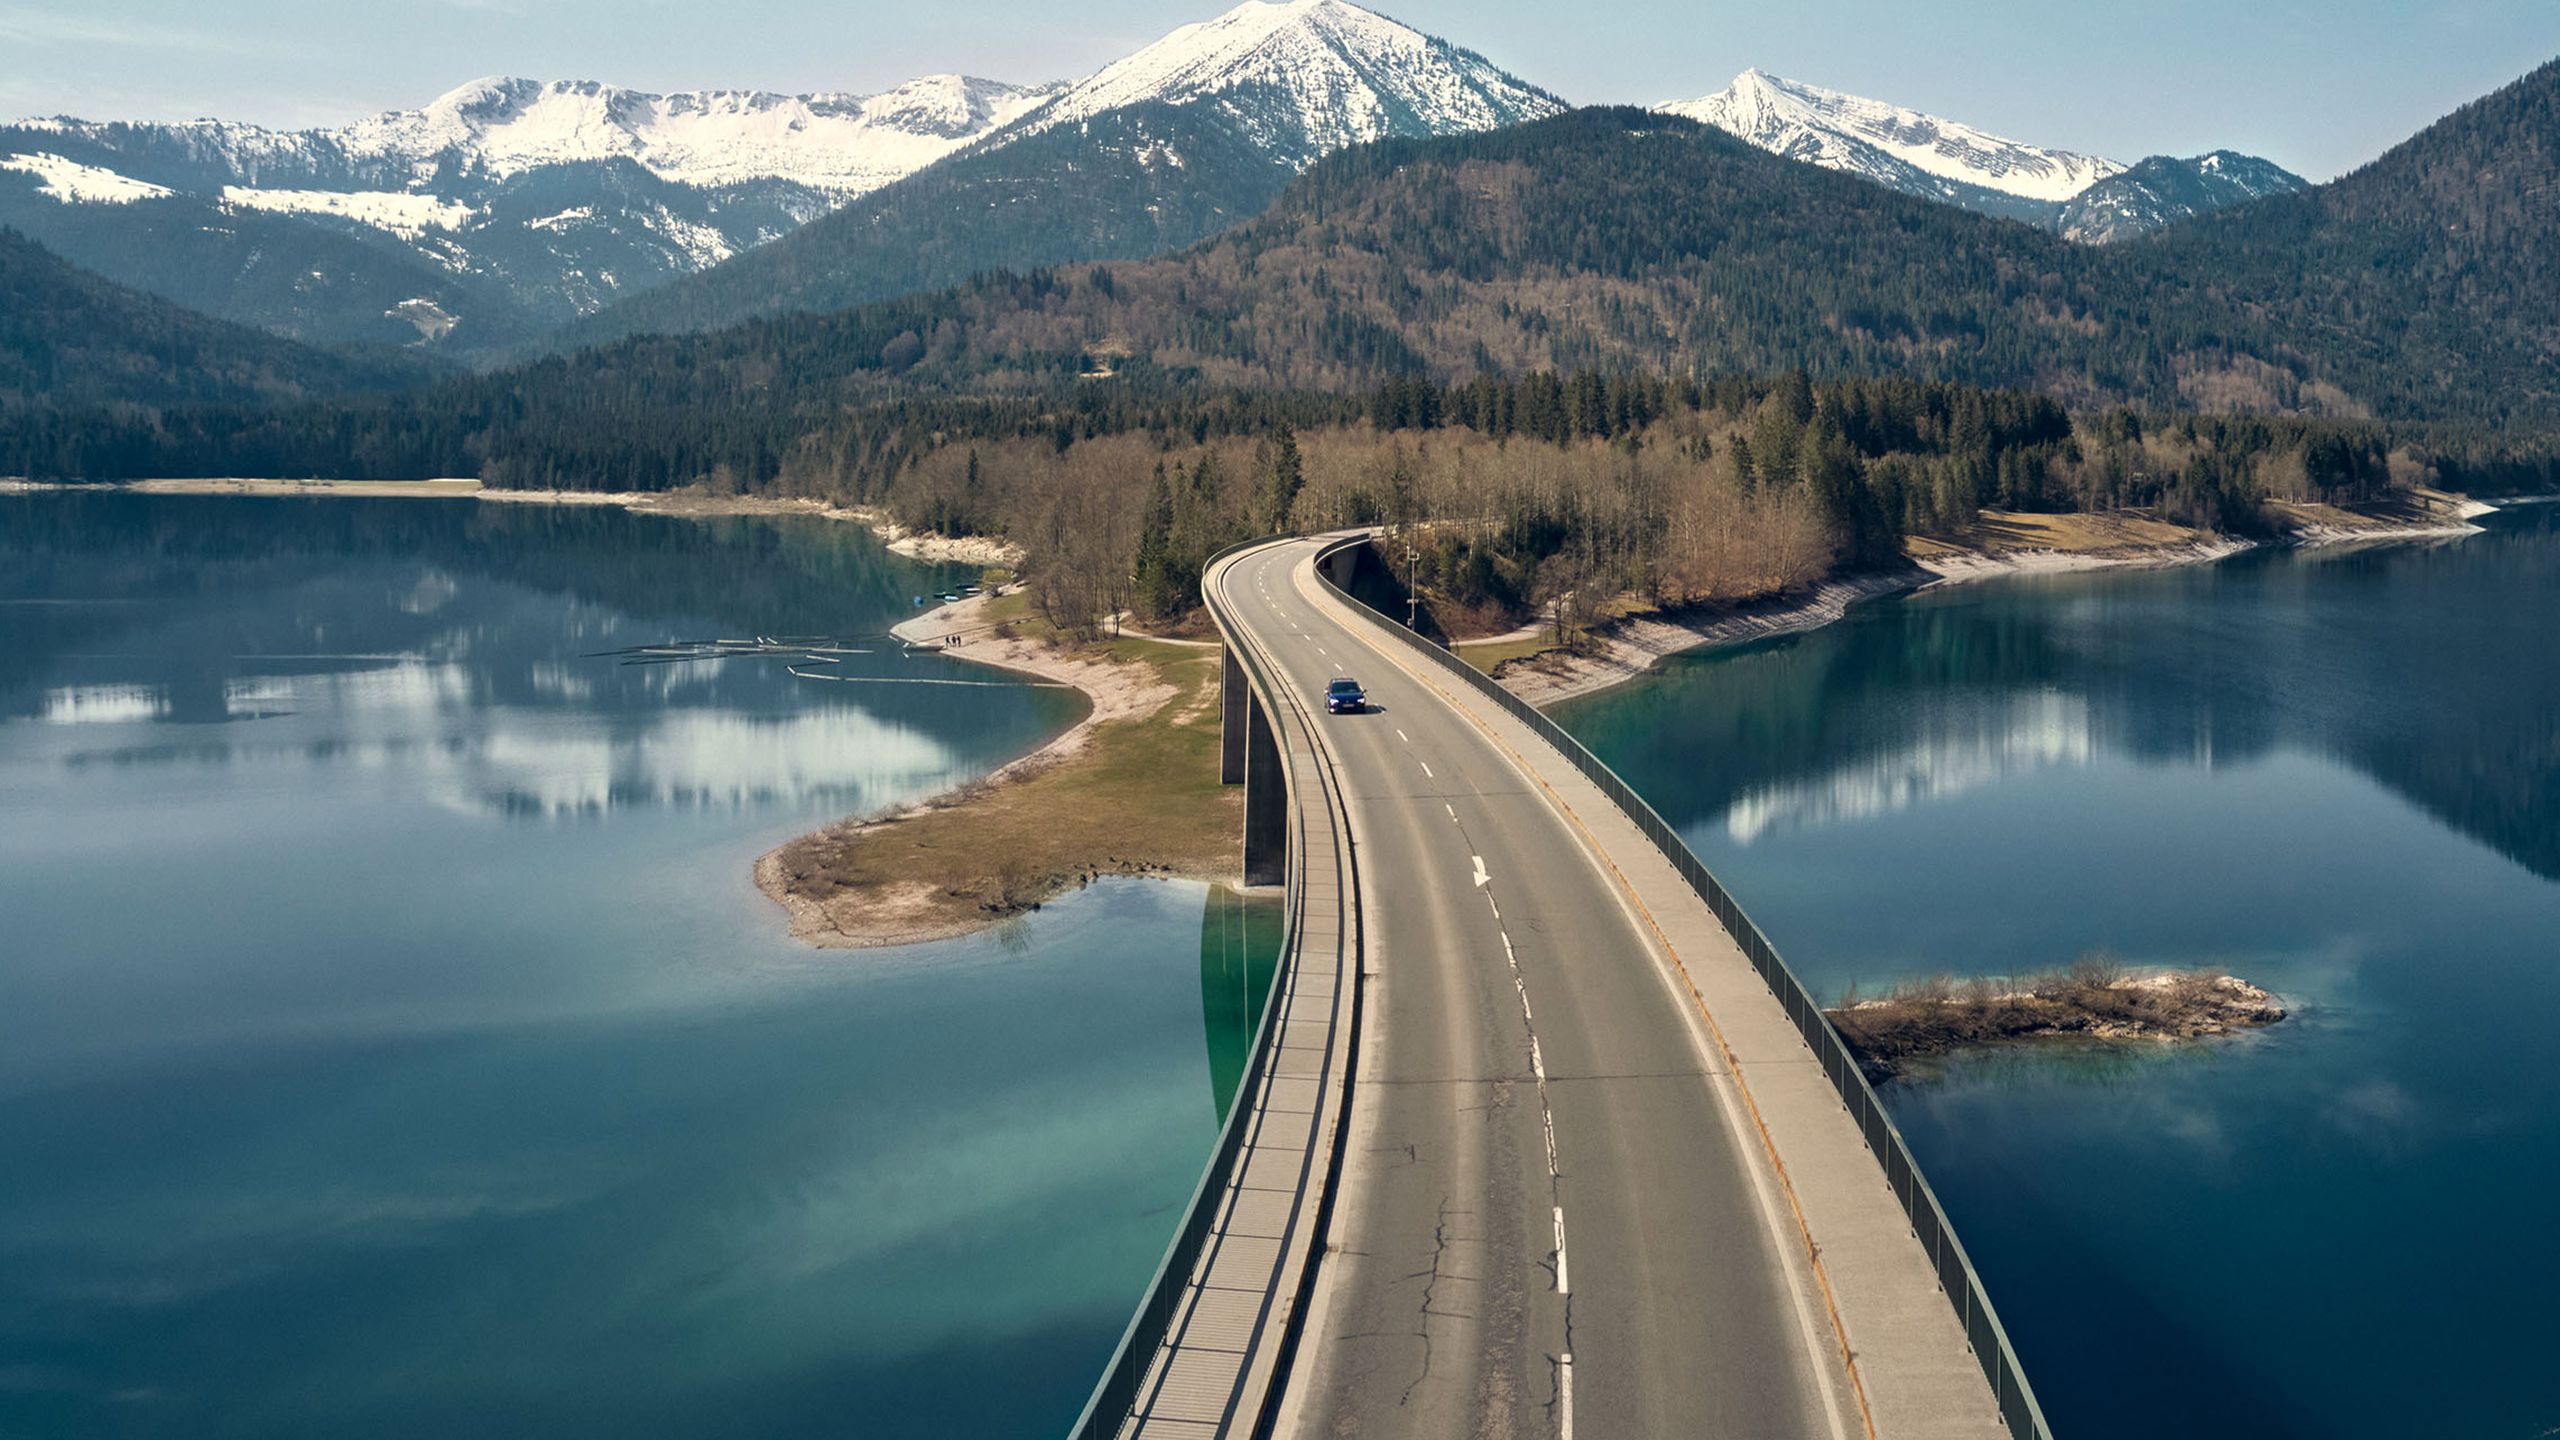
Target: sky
{"type": "Point", "coordinates": [2317, 85]}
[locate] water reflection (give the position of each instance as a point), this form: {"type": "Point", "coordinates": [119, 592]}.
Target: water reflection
{"type": "Point", "coordinates": [347, 628]}
{"type": "Point", "coordinates": [2335, 773]}
{"type": "Point", "coordinates": [2424, 667]}
{"type": "Point", "coordinates": [1951, 755]}
{"type": "Point", "coordinates": [1240, 937]}
{"type": "Point", "coordinates": [391, 1044]}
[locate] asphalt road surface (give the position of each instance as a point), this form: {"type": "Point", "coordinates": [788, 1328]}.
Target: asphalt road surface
{"type": "Point", "coordinates": [1553, 1219]}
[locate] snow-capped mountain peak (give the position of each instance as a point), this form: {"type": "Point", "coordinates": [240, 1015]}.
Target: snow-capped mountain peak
{"type": "Point", "coordinates": [1306, 77]}
{"type": "Point", "coordinates": [954, 107]}
{"type": "Point", "coordinates": [1889, 143]}
{"type": "Point", "coordinates": [841, 145]}
{"type": "Point", "coordinates": [561, 196]}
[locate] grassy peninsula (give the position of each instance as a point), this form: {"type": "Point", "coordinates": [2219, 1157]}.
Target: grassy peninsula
{"type": "Point", "coordinates": [1132, 789]}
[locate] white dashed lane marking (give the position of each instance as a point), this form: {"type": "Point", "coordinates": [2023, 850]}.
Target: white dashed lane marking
{"type": "Point", "coordinates": [1564, 1273]}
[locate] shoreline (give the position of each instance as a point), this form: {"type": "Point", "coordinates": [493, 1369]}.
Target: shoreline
{"type": "Point", "coordinates": [683, 504]}
{"type": "Point", "coordinates": [911, 914]}
{"type": "Point", "coordinates": [908, 909]}
{"type": "Point", "coordinates": [1631, 648]}
{"type": "Point", "coordinates": [1116, 689]}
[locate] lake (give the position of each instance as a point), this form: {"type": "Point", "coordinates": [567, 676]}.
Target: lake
{"type": "Point", "coordinates": [2333, 772]}
{"type": "Point", "coordinates": [392, 1042]}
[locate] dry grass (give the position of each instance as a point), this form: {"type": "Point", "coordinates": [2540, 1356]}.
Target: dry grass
{"type": "Point", "coordinates": [1490, 656]}
{"type": "Point", "coordinates": [2420, 507]}
{"type": "Point", "coordinates": [1011, 608]}
{"type": "Point", "coordinates": [1140, 796]}
{"type": "Point", "coordinates": [2003, 532]}
{"type": "Point", "coordinates": [2095, 999]}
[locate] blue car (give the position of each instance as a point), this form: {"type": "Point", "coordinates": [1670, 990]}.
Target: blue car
{"type": "Point", "coordinates": [1345, 697]}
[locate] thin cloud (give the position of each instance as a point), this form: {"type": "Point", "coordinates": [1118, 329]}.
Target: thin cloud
{"type": "Point", "coordinates": [36, 28]}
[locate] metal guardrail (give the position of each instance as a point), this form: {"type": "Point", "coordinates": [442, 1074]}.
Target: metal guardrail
{"type": "Point", "coordinates": [1956, 1275]}
{"type": "Point", "coordinates": [1115, 1395]}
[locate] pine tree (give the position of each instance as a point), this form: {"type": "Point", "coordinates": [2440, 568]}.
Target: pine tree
{"type": "Point", "coordinates": [1283, 476]}
{"type": "Point", "coordinates": [1156, 590]}
{"type": "Point", "coordinates": [1795, 395]}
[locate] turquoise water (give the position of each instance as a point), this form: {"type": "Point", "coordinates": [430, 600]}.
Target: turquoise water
{"type": "Point", "coordinates": [2336, 773]}
{"type": "Point", "coordinates": [391, 1043]}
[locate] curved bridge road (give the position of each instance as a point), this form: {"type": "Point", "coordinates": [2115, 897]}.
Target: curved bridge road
{"type": "Point", "coordinates": [1559, 1212]}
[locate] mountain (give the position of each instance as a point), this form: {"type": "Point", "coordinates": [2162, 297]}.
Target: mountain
{"type": "Point", "coordinates": [1922, 154]}
{"type": "Point", "coordinates": [1301, 79]}
{"type": "Point", "coordinates": [2422, 282]}
{"type": "Point", "coordinates": [1192, 134]}
{"type": "Point", "coordinates": [71, 339]}
{"type": "Point", "coordinates": [2163, 190]}
{"type": "Point", "coordinates": [835, 146]}
{"type": "Point", "coordinates": [2416, 288]}
{"type": "Point", "coordinates": [1136, 181]}
{"type": "Point", "coordinates": [1904, 150]}
{"type": "Point", "coordinates": [495, 213]}
{"type": "Point", "coordinates": [1600, 241]}
{"type": "Point", "coordinates": [510, 207]}
{"type": "Point", "coordinates": [323, 282]}
{"type": "Point", "coordinates": [2413, 290]}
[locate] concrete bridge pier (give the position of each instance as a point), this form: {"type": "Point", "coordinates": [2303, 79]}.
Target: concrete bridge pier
{"type": "Point", "coordinates": [1234, 694]}
{"type": "Point", "coordinates": [1249, 755]}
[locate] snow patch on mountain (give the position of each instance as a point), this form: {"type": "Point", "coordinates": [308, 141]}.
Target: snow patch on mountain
{"type": "Point", "coordinates": [74, 183]}
{"type": "Point", "coordinates": [403, 214]}
{"type": "Point", "coordinates": [1877, 140]}
{"type": "Point", "coordinates": [1305, 78]}
{"type": "Point", "coordinates": [702, 245]}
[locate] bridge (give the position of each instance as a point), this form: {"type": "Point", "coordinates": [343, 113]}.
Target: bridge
{"type": "Point", "coordinates": [1540, 1136]}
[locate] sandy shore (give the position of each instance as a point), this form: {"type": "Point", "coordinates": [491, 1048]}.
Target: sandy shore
{"type": "Point", "coordinates": [1630, 648]}
{"type": "Point", "coordinates": [964, 550]}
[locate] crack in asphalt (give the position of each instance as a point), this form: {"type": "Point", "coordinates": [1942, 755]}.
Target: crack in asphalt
{"type": "Point", "coordinates": [1430, 1285]}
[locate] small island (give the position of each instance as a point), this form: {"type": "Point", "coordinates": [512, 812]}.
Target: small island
{"type": "Point", "coordinates": [2093, 1000]}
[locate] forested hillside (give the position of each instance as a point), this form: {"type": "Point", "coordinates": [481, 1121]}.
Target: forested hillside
{"type": "Point", "coordinates": [1612, 239]}
{"type": "Point", "coordinates": [1137, 181]}
{"type": "Point", "coordinates": [2422, 283]}
{"type": "Point", "coordinates": [71, 340]}
{"type": "Point", "coordinates": [312, 278]}
{"type": "Point", "coordinates": [2416, 289]}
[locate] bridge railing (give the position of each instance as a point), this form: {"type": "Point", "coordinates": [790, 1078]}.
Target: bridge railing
{"type": "Point", "coordinates": [1115, 1395]}
{"type": "Point", "coordinates": [1956, 1275]}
